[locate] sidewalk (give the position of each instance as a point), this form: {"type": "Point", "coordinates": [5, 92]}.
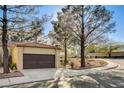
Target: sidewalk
{"type": "Point", "coordinates": [45, 74]}
{"type": "Point", "coordinates": [110, 65]}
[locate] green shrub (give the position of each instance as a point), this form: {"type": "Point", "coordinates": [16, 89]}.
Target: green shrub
{"type": "Point", "coordinates": [13, 66]}
{"type": "Point", "coordinates": [72, 65]}
{"type": "Point", "coordinates": [63, 62]}
{"type": "Point", "coordinates": [10, 60]}
{"type": "Point", "coordinates": [1, 63]}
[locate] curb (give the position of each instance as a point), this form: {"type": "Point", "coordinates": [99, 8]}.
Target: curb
{"type": "Point", "coordinates": [110, 65]}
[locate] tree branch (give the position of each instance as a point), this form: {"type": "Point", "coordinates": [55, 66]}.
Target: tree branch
{"type": "Point", "coordinates": [95, 27]}
{"type": "Point", "coordinates": [90, 13]}
{"type": "Point", "coordinates": [96, 38]}
{"type": "Point", "coordinates": [26, 26]}
{"type": "Point", "coordinates": [1, 7]}
{"type": "Point", "coordinates": [1, 19]}
{"type": "Point", "coordinates": [17, 11]}
{"type": "Point", "coordinates": [17, 6]}
{"type": "Point", "coordinates": [14, 21]}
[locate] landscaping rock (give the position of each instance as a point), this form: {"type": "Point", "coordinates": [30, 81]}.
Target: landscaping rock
{"type": "Point", "coordinates": [52, 84]}
{"type": "Point", "coordinates": [78, 82]}
{"type": "Point", "coordinates": [61, 73]}
{"type": "Point", "coordinates": [65, 83]}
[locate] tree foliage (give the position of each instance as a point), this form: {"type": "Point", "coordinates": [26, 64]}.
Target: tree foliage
{"type": "Point", "coordinates": [18, 19]}
{"type": "Point", "coordinates": [108, 48]}
{"type": "Point", "coordinates": [97, 22]}
{"type": "Point", "coordinates": [88, 24]}
{"type": "Point", "coordinates": [62, 30]}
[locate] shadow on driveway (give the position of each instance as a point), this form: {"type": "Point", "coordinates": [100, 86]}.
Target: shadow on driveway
{"type": "Point", "coordinates": [110, 79]}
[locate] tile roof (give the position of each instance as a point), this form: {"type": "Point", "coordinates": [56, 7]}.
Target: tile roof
{"type": "Point", "coordinates": [119, 50]}
{"type": "Point", "coordinates": [35, 45]}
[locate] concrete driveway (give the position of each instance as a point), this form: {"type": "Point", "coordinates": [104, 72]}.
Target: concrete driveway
{"type": "Point", "coordinates": [30, 76]}
{"type": "Point", "coordinates": [40, 74]}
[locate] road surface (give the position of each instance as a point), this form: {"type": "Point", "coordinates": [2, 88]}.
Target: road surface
{"type": "Point", "coordinates": [118, 61]}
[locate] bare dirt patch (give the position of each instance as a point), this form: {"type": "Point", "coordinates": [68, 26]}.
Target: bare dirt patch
{"type": "Point", "coordinates": [90, 63]}
{"type": "Point", "coordinates": [10, 75]}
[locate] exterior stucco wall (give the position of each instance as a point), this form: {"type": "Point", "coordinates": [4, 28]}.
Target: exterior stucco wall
{"type": "Point", "coordinates": [17, 57]}
{"type": "Point", "coordinates": [14, 55]}
{"type": "Point", "coordinates": [117, 54]}
{"type": "Point", "coordinates": [29, 50]}
{"type": "Point", "coordinates": [17, 54]}
{"type": "Point", "coordinates": [57, 58]}
{"type": "Point", "coordinates": [97, 55]}
{"type": "Point", "coordinates": [1, 53]}
{"type": "Point", "coordinates": [20, 58]}
{"type": "Point", "coordinates": [1, 56]}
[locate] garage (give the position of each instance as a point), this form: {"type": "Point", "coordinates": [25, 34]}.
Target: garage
{"type": "Point", "coordinates": [35, 55]}
{"type": "Point", "coordinates": [33, 61]}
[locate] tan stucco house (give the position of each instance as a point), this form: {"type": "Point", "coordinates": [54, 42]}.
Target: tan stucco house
{"type": "Point", "coordinates": [34, 55]}
{"type": "Point", "coordinates": [118, 53]}
{"type": "Point", "coordinates": [114, 54]}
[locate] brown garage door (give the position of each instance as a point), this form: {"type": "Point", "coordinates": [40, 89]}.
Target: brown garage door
{"type": "Point", "coordinates": [32, 61]}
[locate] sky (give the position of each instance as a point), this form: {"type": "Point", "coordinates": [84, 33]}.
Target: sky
{"type": "Point", "coordinates": [118, 17]}
{"type": "Point", "coordinates": [52, 11]}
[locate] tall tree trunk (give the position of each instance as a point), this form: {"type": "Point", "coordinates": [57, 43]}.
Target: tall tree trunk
{"type": "Point", "coordinates": [65, 47]}
{"type": "Point", "coordinates": [4, 41]}
{"type": "Point", "coordinates": [109, 53]}
{"type": "Point", "coordinates": [82, 40]}
{"type": "Point", "coordinates": [35, 39]}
